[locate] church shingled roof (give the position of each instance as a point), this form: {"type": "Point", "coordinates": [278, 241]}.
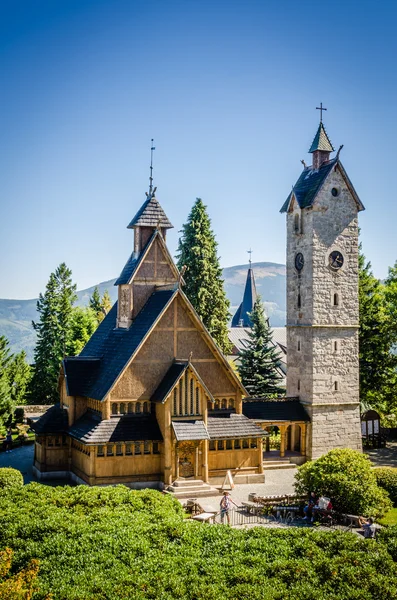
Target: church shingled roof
{"type": "Point", "coordinates": [151, 214]}
{"type": "Point", "coordinates": [241, 318]}
{"type": "Point", "coordinates": [273, 410]}
{"type": "Point", "coordinates": [89, 429]}
{"type": "Point", "coordinates": [114, 347]}
{"type": "Point", "coordinates": [321, 141]}
{"type": "Point", "coordinates": [54, 420]}
{"type": "Point", "coordinates": [190, 430]}
{"type": "Point", "coordinates": [232, 426]}
{"type": "Point", "coordinates": [169, 381]}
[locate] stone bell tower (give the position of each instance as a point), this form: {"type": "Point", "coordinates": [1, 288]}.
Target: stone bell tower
{"type": "Point", "coordinates": [322, 299]}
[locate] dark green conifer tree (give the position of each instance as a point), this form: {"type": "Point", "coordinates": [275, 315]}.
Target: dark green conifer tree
{"type": "Point", "coordinates": [197, 250]}
{"type": "Point", "coordinates": [19, 375]}
{"type": "Point", "coordinates": [259, 361]}
{"type": "Point", "coordinates": [53, 333]}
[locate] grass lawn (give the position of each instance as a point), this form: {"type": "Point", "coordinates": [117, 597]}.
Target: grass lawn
{"type": "Point", "coordinates": [390, 518]}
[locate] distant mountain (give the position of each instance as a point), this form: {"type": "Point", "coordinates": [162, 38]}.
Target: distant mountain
{"type": "Point", "coordinates": [16, 316]}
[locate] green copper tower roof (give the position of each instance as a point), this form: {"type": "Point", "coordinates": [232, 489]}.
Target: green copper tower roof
{"type": "Point", "coordinates": [321, 141]}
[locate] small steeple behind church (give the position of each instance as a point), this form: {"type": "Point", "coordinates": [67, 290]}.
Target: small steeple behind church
{"type": "Point", "coordinates": [321, 146]}
{"type": "Point", "coordinates": [241, 317]}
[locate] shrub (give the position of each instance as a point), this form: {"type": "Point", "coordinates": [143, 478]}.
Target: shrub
{"type": "Point", "coordinates": [386, 478]}
{"type": "Point", "coordinates": [10, 478]}
{"type": "Point", "coordinates": [347, 478]}
{"type": "Point", "coordinates": [19, 415]}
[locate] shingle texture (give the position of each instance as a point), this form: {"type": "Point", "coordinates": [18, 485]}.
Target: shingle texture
{"type": "Point", "coordinates": [241, 317]}
{"type": "Point", "coordinates": [128, 270]}
{"type": "Point", "coordinates": [80, 374]}
{"type": "Point", "coordinates": [150, 215]}
{"type": "Point", "coordinates": [309, 184]}
{"type": "Point", "coordinates": [190, 430]}
{"type": "Point", "coordinates": [321, 141]}
{"type": "Point", "coordinates": [171, 378]}
{"type": "Point", "coordinates": [89, 429]}
{"type": "Point", "coordinates": [114, 347]}
{"type": "Point", "coordinates": [275, 410]}
{"type": "Point", "coordinates": [55, 420]}
{"type": "Point", "coordinates": [232, 426]}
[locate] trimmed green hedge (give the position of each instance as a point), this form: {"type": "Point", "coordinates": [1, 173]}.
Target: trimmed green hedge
{"type": "Point", "coordinates": [386, 478]}
{"type": "Point", "coordinates": [117, 544]}
{"type": "Point", "coordinates": [346, 476]}
{"type": "Point", "coordinates": [10, 478]}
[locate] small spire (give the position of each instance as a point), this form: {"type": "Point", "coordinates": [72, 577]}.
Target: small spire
{"type": "Point", "coordinates": [151, 168]}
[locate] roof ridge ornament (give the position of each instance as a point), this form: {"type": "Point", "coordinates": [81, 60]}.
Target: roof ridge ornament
{"type": "Point", "coordinates": [320, 108]}
{"type": "Point", "coordinates": [337, 154]}
{"type": "Point", "coordinates": [151, 169]}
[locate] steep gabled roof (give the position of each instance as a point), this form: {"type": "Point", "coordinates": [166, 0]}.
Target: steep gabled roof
{"type": "Point", "coordinates": [274, 410]}
{"type": "Point", "coordinates": [311, 181]}
{"type": "Point", "coordinates": [132, 265]}
{"type": "Point", "coordinates": [115, 347]}
{"type": "Point", "coordinates": [321, 141]}
{"type": "Point", "coordinates": [241, 318]}
{"type": "Point", "coordinates": [232, 426]}
{"type": "Point", "coordinates": [150, 214]}
{"type": "Point", "coordinates": [172, 377]}
{"type": "Point", "coordinates": [54, 420]}
{"type": "Point", "coordinates": [80, 374]}
{"type": "Point", "coordinates": [190, 430]}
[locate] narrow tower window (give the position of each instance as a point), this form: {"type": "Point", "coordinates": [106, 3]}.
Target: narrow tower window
{"type": "Point", "coordinates": [297, 224]}
{"type": "Point", "coordinates": [299, 301]}
{"type": "Point", "coordinates": [299, 385]}
{"type": "Point", "coordinates": [299, 345]}
{"type": "Point", "coordinates": [336, 300]}
{"type": "Point", "coordinates": [335, 346]}
{"type": "Point", "coordinates": [336, 386]}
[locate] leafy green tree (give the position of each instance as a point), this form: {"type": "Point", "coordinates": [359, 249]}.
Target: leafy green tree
{"type": "Point", "coordinates": [19, 375]}
{"type": "Point", "coordinates": [259, 361]}
{"type": "Point", "coordinates": [53, 333]}
{"type": "Point", "coordinates": [346, 476]}
{"type": "Point", "coordinates": [82, 325]}
{"type": "Point", "coordinates": [391, 303]}
{"type": "Point", "coordinates": [100, 306]}
{"type": "Point", "coordinates": [6, 403]}
{"type": "Point", "coordinates": [377, 362]}
{"type": "Point", "coordinates": [197, 251]}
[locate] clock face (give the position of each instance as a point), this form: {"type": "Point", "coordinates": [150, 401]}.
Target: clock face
{"type": "Point", "coordinates": [336, 260]}
{"type": "Point", "coordinates": [299, 261]}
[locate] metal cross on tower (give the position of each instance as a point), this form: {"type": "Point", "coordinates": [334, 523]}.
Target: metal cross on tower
{"type": "Point", "coordinates": [151, 169]}
{"type": "Point", "coordinates": [320, 108]}
{"type": "Point", "coordinates": [250, 252]}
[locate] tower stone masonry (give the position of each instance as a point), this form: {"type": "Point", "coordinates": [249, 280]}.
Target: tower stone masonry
{"type": "Point", "coordinates": [322, 300]}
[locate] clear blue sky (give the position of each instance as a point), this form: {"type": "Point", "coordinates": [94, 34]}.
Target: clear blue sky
{"type": "Point", "coordinates": [228, 89]}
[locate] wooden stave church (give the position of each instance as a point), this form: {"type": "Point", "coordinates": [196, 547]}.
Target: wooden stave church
{"type": "Point", "coordinates": [151, 398]}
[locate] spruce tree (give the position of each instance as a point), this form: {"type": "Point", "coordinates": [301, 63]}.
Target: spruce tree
{"type": "Point", "coordinates": [259, 361]}
{"type": "Point", "coordinates": [53, 333]}
{"type": "Point", "coordinates": [6, 403]}
{"type": "Point", "coordinates": [197, 250]}
{"type": "Point", "coordinates": [100, 306]}
{"type": "Point", "coordinates": [95, 301]}
{"type": "Point", "coordinates": [19, 375]}
{"type": "Point", "coordinates": [82, 325]}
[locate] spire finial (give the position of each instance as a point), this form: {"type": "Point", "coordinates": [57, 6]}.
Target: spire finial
{"type": "Point", "coordinates": [151, 168]}
{"type": "Point", "coordinates": [250, 252]}
{"type": "Point", "coordinates": [320, 108]}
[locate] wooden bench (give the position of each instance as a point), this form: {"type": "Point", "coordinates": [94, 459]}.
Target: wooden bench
{"type": "Point", "coordinates": [252, 508]}
{"type": "Point", "coordinates": [205, 517]}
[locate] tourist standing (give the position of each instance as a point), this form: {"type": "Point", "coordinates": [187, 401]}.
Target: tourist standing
{"type": "Point", "coordinates": [225, 506]}
{"type": "Point", "coordinates": [9, 440]}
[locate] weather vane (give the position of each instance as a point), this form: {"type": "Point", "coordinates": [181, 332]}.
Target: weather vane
{"type": "Point", "coordinates": [320, 108]}
{"type": "Point", "coordinates": [250, 252]}
{"type": "Point", "coordinates": [151, 169]}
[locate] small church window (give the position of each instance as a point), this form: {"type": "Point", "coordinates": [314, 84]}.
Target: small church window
{"type": "Point", "coordinates": [109, 450]}
{"type": "Point", "coordinates": [146, 407]}
{"type": "Point", "coordinates": [221, 445]}
{"type": "Point", "coordinates": [299, 385]}
{"type": "Point", "coordinates": [335, 192]}
{"type": "Point", "coordinates": [297, 223]}
{"type": "Point", "coordinates": [254, 443]}
{"type": "Point", "coordinates": [229, 444]}
{"type": "Point", "coordinates": [122, 408]}
{"type": "Point", "coordinates": [212, 445]}
{"type": "Point", "coordinates": [336, 300]}
{"type": "Point", "coordinates": [100, 451]}
{"type": "Point", "coordinates": [198, 401]}
{"type": "Point", "coordinates": [336, 386]}
{"type": "Point", "coordinates": [216, 404]}
{"type": "Point", "coordinates": [156, 448]}
{"type": "Point", "coordinates": [114, 408]}
{"type": "Point", "coordinates": [231, 403]}
{"type": "Point", "coordinates": [191, 397]}
{"type": "Point", "coordinates": [146, 447]}
{"type": "Point", "coordinates": [246, 443]}
{"type": "Point", "coordinates": [138, 408]}
{"type": "Point", "coordinates": [180, 399]}
{"type": "Point", "coordinates": [130, 407]}
{"type": "Point", "coordinates": [299, 301]}
{"type": "Point", "coordinates": [224, 404]}
{"type": "Point", "coordinates": [299, 345]}
{"type": "Point", "coordinates": [119, 450]}
{"type": "Point", "coordinates": [128, 450]}
{"type": "Point", "coordinates": [186, 395]}
{"type": "Point", "coordinates": [237, 444]}
{"type": "Point", "coordinates": [175, 409]}
{"type": "Point", "coordinates": [137, 448]}
{"type": "Point", "coordinates": [335, 346]}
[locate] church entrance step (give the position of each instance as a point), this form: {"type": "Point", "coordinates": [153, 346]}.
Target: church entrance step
{"type": "Point", "coordinates": [193, 488]}
{"type": "Point", "coordinates": [278, 464]}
